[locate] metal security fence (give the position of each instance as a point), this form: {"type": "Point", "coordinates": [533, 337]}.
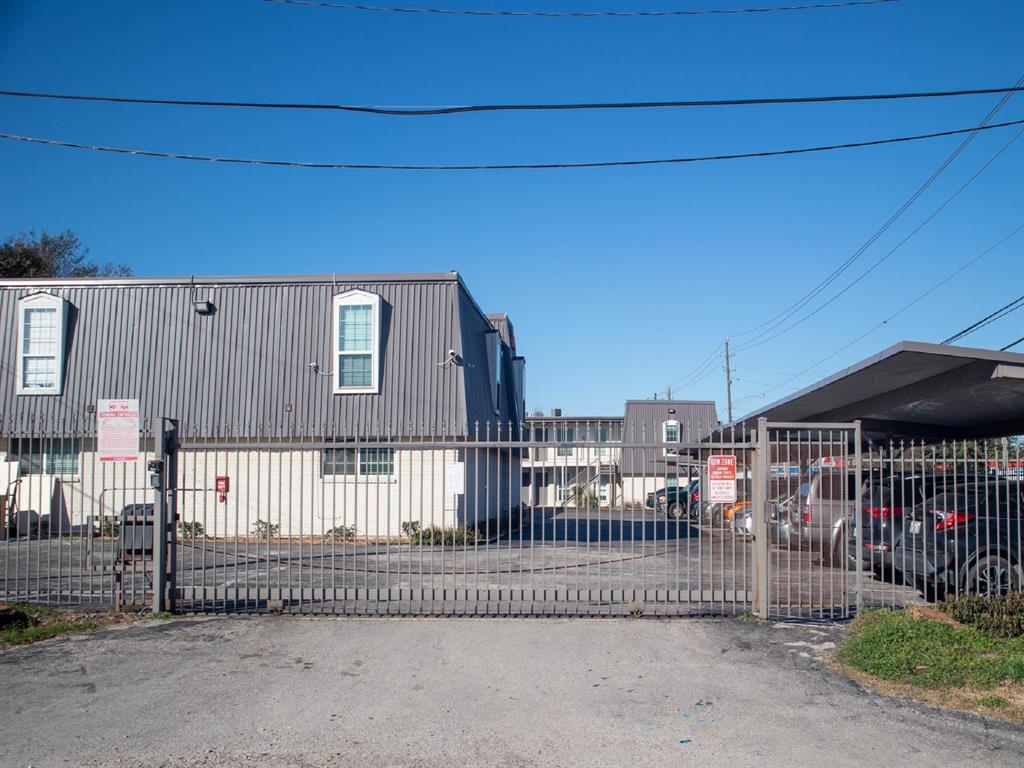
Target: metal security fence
{"type": "Point", "coordinates": [574, 518]}
{"type": "Point", "coordinates": [75, 531]}
{"type": "Point", "coordinates": [495, 524]}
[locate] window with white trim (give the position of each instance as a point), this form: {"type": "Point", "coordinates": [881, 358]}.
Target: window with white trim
{"type": "Point", "coordinates": [371, 462]}
{"type": "Point", "coordinates": [57, 456]}
{"type": "Point", "coordinates": [670, 433]}
{"type": "Point", "coordinates": [356, 343]}
{"type": "Point", "coordinates": [42, 323]}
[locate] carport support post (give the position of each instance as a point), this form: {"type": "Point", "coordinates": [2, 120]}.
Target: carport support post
{"type": "Point", "coordinates": [858, 517]}
{"type": "Point", "coordinates": [760, 518]}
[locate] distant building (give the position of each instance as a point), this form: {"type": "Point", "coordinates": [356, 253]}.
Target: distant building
{"type": "Point", "coordinates": [611, 459]}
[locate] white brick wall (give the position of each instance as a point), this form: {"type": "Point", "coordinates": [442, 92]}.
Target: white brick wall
{"type": "Point", "coordinates": [287, 489]}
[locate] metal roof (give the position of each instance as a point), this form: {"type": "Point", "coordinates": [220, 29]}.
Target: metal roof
{"type": "Point", "coordinates": [425, 277]}
{"type": "Point", "coordinates": [245, 370]}
{"type": "Point", "coordinates": [914, 389]}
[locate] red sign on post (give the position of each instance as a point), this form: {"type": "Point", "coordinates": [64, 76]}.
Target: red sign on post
{"type": "Point", "coordinates": [722, 479]}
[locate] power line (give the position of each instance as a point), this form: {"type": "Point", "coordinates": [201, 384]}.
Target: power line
{"type": "Point", "coordinates": [782, 316]}
{"type": "Point", "coordinates": [703, 366]}
{"type": "Point", "coordinates": [904, 308]}
{"type": "Point", "coordinates": [998, 314]}
{"type": "Point", "coordinates": [432, 111]}
{"type": "Point", "coordinates": [583, 14]}
{"type": "Point", "coordinates": [849, 286]}
{"type": "Point", "coordinates": [1012, 344]}
{"type": "Point", "coordinates": [508, 166]}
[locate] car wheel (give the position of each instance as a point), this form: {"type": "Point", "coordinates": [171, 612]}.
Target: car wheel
{"type": "Point", "coordinates": [991, 576]}
{"type": "Point", "coordinates": [676, 511]}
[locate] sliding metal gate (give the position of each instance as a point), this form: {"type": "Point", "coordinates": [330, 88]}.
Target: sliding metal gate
{"type": "Point", "coordinates": [566, 518]}
{"type": "Point", "coordinates": [568, 524]}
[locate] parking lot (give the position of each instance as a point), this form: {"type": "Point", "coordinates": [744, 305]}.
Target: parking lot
{"type": "Point", "coordinates": [597, 562]}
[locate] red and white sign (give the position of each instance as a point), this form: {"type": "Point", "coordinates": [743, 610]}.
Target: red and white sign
{"type": "Point", "coordinates": [117, 430]}
{"type": "Point", "coordinates": [722, 479]}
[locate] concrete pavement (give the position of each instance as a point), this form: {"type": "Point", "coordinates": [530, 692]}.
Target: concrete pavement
{"type": "Point", "coordinates": [280, 691]}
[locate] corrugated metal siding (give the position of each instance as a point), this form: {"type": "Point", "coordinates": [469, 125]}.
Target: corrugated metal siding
{"type": "Point", "coordinates": [643, 424]}
{"type": "Point", "coordinates": [237, 371]}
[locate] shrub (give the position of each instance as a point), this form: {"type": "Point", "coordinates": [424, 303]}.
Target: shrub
{"type": "Point", "coordinates": [586, 497]}
{"type": "Point", "coordinates": [265, 529]}
{"type": "Point", "coordinates": [192, 530]}
{"type": "Point", "coordinates": [436, 535]}
{"type": "Point", "coordinates": [341, 533]}
{"type": "Point", "coordinates": [109, 529]}
{"type": "Point", "coordinates": [995, 616]}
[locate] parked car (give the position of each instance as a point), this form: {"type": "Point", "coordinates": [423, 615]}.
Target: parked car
{"type": "Point", "coordinates": [885, 501]}
{"type": "Point", "coordinates": [965, 540]}
{"type": "Point", "coordinates": [827, 508]}
{"type": "Point", "coordinates": [651, 499]}
{"type": "Point", "coordinates": [781, 528]}
{"type": "Point", "coordinates": [680, 502]}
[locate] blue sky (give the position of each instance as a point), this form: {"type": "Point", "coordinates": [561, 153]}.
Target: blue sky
{"type": "Point", "coordinates": [619, 281]}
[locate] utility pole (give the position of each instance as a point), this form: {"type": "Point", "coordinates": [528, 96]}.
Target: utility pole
{"type": "Point", "coordinates": [728, 380]}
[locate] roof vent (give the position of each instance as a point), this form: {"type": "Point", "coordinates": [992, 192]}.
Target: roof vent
{"type": "Point", "coordinates": [556, 412]}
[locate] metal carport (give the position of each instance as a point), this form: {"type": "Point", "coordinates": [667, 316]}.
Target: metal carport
{"type": "Point", "coordinates": [919, 390]}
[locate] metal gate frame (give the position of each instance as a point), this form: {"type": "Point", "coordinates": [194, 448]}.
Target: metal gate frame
{"type": "Point", "coordinates": [755, 451]}
{"type": "Point", "coordinates": [667, 595]}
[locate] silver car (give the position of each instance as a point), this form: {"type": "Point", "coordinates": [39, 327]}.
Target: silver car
{"type": "Point", "coordinates": [830, 503]}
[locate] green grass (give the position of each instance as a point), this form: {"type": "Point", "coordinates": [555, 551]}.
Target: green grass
{"type": "Point", "coordinates": [30, 623]}
{"type": "Point", "coordinates": [914, 650]}
{"type": "Point", "coordinates": [994, 702]}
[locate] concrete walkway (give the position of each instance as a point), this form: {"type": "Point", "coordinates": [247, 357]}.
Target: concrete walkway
{"type": "Point", "coordinates": [477, 692]}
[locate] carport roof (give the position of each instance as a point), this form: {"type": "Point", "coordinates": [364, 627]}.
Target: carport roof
{"type": "Point", "coordinates": [913, 389]}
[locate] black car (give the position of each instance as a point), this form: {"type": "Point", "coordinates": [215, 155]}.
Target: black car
{"type": "Point", "coordinates": [680, 502]}
{"type": "Point", "coordinates": [964, 540]}
{"type": "Point", "coordinates": [885, 500]}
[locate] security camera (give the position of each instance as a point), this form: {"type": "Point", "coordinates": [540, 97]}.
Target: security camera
{"type": "Point", "coordinates": [451, 354]}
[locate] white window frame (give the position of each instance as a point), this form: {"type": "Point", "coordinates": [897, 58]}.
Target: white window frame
{"type": "Point", "coordinates": [42, 301]}
{"type": "Point", "coordinates": [359, 460]}
{"type": "Point", "coordinates": [665, 426]}
{"type": "Point", "coordinates": [41, 451]}
{"type": "Point", "coordinates": [348, 299]}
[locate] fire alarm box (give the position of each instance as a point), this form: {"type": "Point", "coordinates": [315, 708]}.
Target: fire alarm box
{"type": "Point", "coordinates": [222, 487]}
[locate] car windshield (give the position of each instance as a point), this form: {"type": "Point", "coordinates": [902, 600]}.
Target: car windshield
{"type": "Point", "coordinates": [889, 493]}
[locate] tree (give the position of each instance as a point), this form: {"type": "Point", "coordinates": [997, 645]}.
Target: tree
{"type": "Point", "coordinates": [60, 255]}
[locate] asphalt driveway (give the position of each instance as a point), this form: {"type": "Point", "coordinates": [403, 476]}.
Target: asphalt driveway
{"type": "Point", "coordinates": [282, 691]}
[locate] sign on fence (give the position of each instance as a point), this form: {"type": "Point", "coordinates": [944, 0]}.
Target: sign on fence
{"type": "Point", "coordinates": [455, 478]}
{"type": "Point", "coordinates": [722, 479]}
{"type": "Point", "coordinates": [117, 430]}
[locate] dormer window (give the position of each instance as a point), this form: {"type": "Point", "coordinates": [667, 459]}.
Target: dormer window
{"type": "Point", "coordinates": [42, 326]}
{"type": "Point", "coordinates": [670, 433]}
{"type": "Point", "coordinates": [357, 343]}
